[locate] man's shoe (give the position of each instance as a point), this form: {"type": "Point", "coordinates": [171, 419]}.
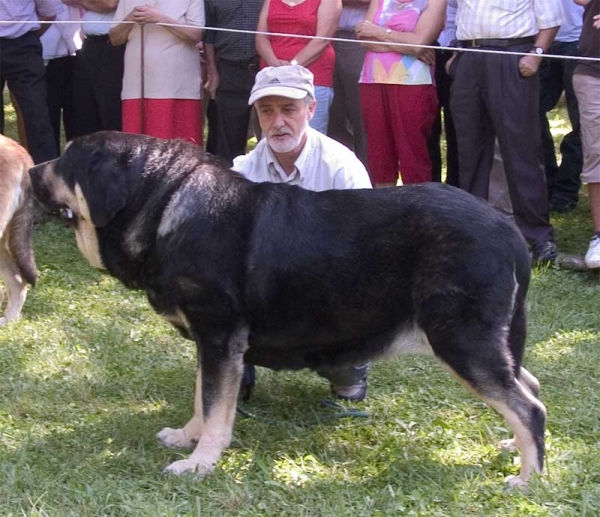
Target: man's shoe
{"type": "Point", "coordinates": [562, 207]}
{"type": "Point", "coordinates": [592, 257]}
{"type": "Point", "coordinates": [355, 393]}
{"type": "Point", "coordinates": [543, 253]}
{"type": "Point", "coordinates": [248, 381]}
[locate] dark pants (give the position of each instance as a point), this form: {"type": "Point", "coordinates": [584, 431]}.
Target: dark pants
{"type": "Point", "coordinates": [22, 68]}
{"type": "Point", "coordinates": [211, 124]}
{"type": "Point", "coordinates": [345, 114]}
{"type": "Point", "coordinates": [97, 85]}
{"type": "Point", "coordinates": [59, 83]}
{"type": "Point", "coordinates": [232, 111]}
{"type": "Point", "coordinates": [556, 76]}
{"type": "Point", "coordinates": [490, 99]}
{"type": "Point", "coordinates": [443, 84]}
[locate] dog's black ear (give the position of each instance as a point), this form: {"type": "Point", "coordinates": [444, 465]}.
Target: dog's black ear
{"type": "Point", "coordinates": [107, 187]}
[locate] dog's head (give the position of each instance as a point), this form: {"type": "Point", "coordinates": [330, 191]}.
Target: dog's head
{"type": "Point", "coordinates": [88, 182]}
{"type": "Point", "coordinates": [87, 186]}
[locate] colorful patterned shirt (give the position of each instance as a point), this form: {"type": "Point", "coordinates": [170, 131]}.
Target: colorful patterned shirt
{"type": "Point", "coordinates": [393, 67]}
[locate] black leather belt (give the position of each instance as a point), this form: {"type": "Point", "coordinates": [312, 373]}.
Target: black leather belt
{"type": "Point", "coordinates": [251, 66]}
{"type": "Point", "coordinates": [97, 38]}
{"type": "Point", "coordinates": [494, 42]}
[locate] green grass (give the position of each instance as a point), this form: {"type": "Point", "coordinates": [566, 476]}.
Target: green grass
{"type": "Point", "coordinates": [90, 374]}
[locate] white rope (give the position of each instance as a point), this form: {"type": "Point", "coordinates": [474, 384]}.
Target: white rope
{"type": "Point", "coordinates": [324, 38]}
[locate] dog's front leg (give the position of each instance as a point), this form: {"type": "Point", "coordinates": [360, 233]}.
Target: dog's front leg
{"type": "Point", "coordinates": [221, 366]}
{"type": "Point", "coordinates": [188, 435]}
{"type": "Point", "coordinates": [15, 285]}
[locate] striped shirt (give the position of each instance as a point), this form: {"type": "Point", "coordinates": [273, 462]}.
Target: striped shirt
{"type": "Point", "coordinates": [506, 18]}
{"type": "Point", "coordinates": [232, 14]}
{"type": "Point", "coordinates": [25, 11]}
{"type": "Point", "coordinates": [351, 16]}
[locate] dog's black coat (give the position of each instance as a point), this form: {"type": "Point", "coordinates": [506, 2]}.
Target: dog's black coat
{"type": "Point", "coordinates": [316, 278]}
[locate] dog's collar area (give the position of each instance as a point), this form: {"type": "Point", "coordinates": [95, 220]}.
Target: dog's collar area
{"type": "Point", "coordinates": [66, 213]}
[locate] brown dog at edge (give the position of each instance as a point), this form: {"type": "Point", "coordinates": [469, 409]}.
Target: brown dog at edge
{"type": "Point", "coordinates": [17, 263]}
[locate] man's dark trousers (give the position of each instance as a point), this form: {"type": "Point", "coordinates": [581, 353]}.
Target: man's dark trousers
{"type": "Point", "coordinates": [22, 68]}
{"type": "Point", "coordinates": [443, 84]}
{"type": "Point", "coordinates": [490, 99]}
{"type": "Point", "coordinates": [97, 85]}
{"type": "Point", "coordinates": [345, 115]}
{"type": "Point", "coordinates": [236, 79]}
{"type": "Point", "coordinates": [556, 76]}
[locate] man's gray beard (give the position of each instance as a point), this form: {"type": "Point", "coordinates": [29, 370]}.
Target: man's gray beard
{"type": "Point", "coordinates": [289, 145]}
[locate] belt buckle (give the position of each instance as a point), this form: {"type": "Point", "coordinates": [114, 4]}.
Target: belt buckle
{"type": "Point", "coordinates": [252, 67]}
{"type": "Point", "coordinates": [474, 43]}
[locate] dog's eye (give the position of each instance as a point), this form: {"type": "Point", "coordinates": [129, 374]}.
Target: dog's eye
{"type": "Point", "coordinates": [66, 213]}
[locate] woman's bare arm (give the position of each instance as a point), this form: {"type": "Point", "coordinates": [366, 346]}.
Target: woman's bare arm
{"type": "Point", "coordinates": [328, 17]}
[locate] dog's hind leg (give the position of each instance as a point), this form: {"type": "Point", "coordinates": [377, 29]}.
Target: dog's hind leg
{"type": "Point", "coordinates": [16, 285]}
{"type": "Point", "coordinates": [482, 362]}
{"type": "Point", "coordinates": [222, 369]}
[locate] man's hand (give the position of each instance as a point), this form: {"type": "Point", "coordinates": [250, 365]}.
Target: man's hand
{"type": "Point", "coordinates": [212, 83]}
{"type": "Point", "coordinates": [529, 64]}
{"type": "Point", "coordinates": [449, 62]}
{"type": "Point", "coordinates": [597, 21]}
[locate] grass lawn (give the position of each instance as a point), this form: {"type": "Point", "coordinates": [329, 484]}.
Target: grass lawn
{"type": "Point", "coordinates": [90, 374]}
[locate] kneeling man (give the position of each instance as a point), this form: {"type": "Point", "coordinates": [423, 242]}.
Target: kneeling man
{"type": "Point", "coordinates": [294, 153]}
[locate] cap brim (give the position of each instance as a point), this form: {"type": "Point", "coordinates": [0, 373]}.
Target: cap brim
{"type": "Point", "coordinates": [280, 91]}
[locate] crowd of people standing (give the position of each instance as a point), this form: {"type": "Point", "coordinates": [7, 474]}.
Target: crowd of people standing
{"type": "Point", "coordinates": [144, 66]}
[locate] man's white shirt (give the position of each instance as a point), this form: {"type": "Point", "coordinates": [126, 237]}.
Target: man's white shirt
{"type": "Point", "coordinates": [323, 164]}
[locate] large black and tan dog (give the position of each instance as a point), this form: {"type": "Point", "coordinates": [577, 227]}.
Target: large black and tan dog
{"type": "Point", "coordinates": [17, 264]}
{"type": "Point", "coordinates": [287, 278]}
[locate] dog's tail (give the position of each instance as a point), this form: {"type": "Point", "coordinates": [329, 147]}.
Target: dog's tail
{"type": "Point", "coordinates": [20, 237]}
{"type": "Point", "coordinates": [518, 326]}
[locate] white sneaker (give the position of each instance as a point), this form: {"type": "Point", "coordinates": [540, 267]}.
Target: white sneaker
{"type": "Point", "coordinates": [592, 257]}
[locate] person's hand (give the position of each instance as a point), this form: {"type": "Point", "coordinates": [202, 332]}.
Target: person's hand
{"type": "Point", "coordinates": [449, 62]}
{"type": "Point", "coordinates": [278, 62]}
{"type": "Point", "coordinates": [427, 55]}
{"type": "Point", "coordinates": [147, 14]}
{"type": "Point", "coordinates": [212, 83]}
{"type": "Point", "coordinates": [597, 21]}
{"type": "Point", "coordinates": [529, 64]}
{"type": "Point", "coordinates": [369, 31]}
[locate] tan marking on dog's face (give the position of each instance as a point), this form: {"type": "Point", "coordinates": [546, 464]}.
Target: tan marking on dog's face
{"type": "Point", "coordinates": [85, 232]}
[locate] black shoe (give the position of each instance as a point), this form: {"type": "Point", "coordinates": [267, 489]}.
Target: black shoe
{"type": "Point", "coordinates": [355, 393]}
{"type": "Point", "coordinates": [248, 381]}
{"type": "Point", "coordinates": [543, 253]}
{"type": "Point", "coordinates": [562, 207]}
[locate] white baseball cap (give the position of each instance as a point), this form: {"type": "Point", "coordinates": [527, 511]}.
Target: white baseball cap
{"type": "Point", "coordinates": [292, 81]}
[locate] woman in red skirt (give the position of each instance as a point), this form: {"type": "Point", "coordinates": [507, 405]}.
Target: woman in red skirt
{"type": "Point", "coordinates": [162, 98]}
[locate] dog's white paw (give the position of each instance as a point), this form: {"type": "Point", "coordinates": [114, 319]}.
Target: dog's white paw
{"type": "Point", "coordinates": [3, 321]}
{"type": "Point", "coordinates": [509, 445]}
{"type": "Point", "coordinates": [175, 438]}
{"type": "Point", "coordinates": [515, 483]}
{"type": "Point", "coordinates": [189, 466]}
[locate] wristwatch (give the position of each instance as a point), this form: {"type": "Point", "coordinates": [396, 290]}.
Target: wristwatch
{"type": "Point", "coordinates": [537, 50]}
